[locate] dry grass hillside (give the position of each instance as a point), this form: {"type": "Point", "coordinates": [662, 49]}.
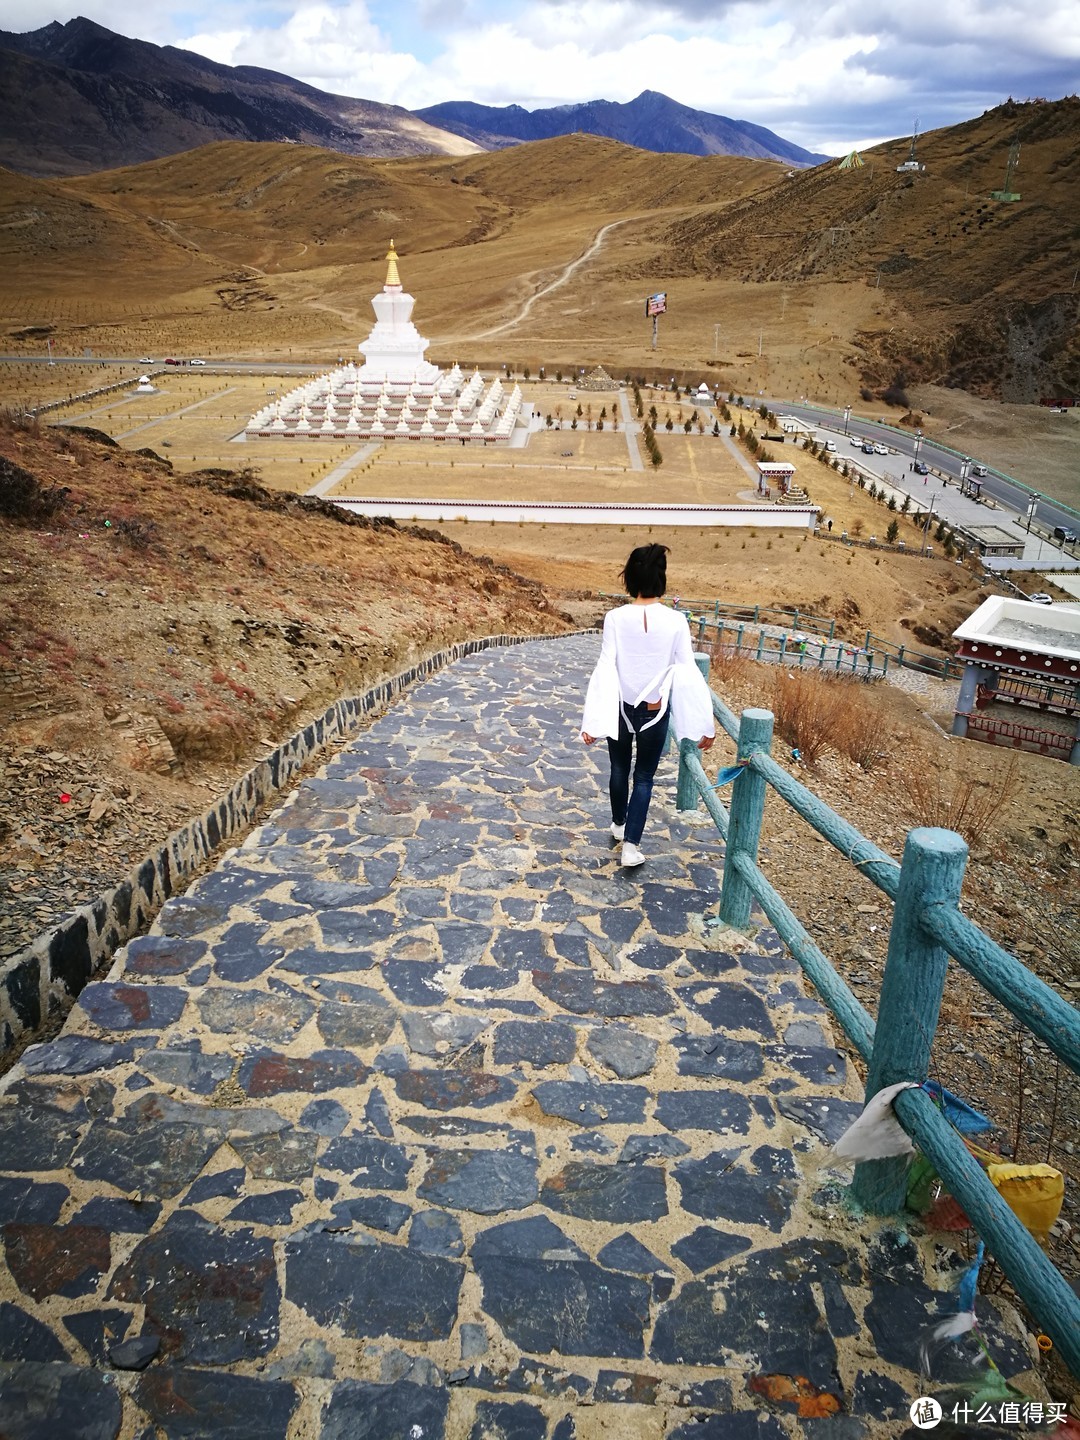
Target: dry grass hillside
{"type": "Point", "coordinates": [988, 287]}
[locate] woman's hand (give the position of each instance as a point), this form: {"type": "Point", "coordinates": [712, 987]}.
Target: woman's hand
{"type": "Point", "coordinates": [705, 743]}
{"type": "Point", "coordinates": [589, 739]}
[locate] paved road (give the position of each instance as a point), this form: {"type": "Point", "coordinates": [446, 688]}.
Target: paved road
{"type": "Point", "coordinates": [1012, 495]}
{"type": "Point", "coordinates": [419, 1117]}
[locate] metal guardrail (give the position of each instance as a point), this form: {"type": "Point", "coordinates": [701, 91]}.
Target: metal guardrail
{"type": "Point", "coordinates": [927, 928]}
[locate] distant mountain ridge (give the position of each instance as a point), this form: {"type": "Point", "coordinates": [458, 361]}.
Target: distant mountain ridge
{"type": "Point", "coordinates": [651, 122]}
{"type": "Point", "coordinates": [76, 98]}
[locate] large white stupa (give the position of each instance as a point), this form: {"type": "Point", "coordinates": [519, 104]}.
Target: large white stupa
{"type": "Point", "coordinates": [394, 350]}
{"type": "Point", "coordinates": [395, 394]}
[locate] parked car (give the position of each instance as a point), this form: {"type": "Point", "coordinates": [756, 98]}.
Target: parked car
{"type": "Point", "coordinates": [1040, 598]}
{"type": "Point", "coordinates": [979, 470]}
{"type": "Point", "coordinates": [196, 362]}
{"type": "Point", "coordinates": [867, 448]}
{"type": "Point", "coordinates": [830, 445]}
{"type": "Point", "coordinates": [170, 361]}
{"type": "Point", "coordinates": [1064, 534]}
{"type": "Point", "coordinates": [145, 360]}
{"type": "Point", "coordinates": [921, 468]}
{"type": "Point", "coordinates": [880, 449]}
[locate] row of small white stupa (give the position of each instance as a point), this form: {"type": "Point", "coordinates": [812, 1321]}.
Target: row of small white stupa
{"type": "Point", "coordinates": [342, 403]}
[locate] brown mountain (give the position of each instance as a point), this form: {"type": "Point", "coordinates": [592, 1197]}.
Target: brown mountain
{"type": "Point", "coordinates": [77, 98]}
{"type": "Point", "coordinates": [988, 286]}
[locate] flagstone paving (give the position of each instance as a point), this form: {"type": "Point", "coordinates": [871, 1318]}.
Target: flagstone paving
{"type": "Point", "coordinates": [419, 1117]}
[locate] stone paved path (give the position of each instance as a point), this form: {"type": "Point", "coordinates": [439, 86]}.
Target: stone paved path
{"type": "Point", "coordinates": [419, 1118]}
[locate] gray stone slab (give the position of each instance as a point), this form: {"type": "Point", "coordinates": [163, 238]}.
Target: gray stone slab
{"type": "Point", "coordinates": [589, 1104]}
{"type": "Point", "coordinates": [372, 1290]}
{"type": "Point", "coordinates": [229, 1010]}
{"type": "Point", "coordinates": [374, 1164]}
{"type": "Point", "coordinates": [360, 1410]}
{"type": "Point", "coordinates": [724, 1112]}
{"type": "Point", "coordinates": [190, 1404]}
{"type": "Point", "coordinates": [536, 1238]}
{"type": "Point", "coordinates": [23, 1337]}
{"type": "Point", "coordinates": [622, 1050]}
{"type": "Point", "coordinates": [212, 1296]}
{"type": "Point", "coordinates": [613, 1194]}
{"type": "Point", "coordinates": [583, 994]}
{"type": "Point", "coordinates": [452, 1089]}
{"type": "Point", "coordinates": [443, 1033]}
{"type": "Point", "coordinates": [571, 1307]}
{"type": "Point", "coordinates": [116, 1006]}
{"type": "Point", "coordinates": [38, 1202]}
{"type": "Point", "coordinates": [41, 1401]}
{"type": "Point", "coordinates": [486, 1182]}
{"type": "Point", "coordinates": [539, 1043]}
{"type": "Point", "coordinates": [74, 1055]}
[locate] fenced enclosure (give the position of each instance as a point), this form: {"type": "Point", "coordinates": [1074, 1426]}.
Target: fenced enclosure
{"type": "Point", "coordinates": [927, 927]}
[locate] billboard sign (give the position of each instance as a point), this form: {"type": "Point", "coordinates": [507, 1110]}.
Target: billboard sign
{"type": "Point", "coordinates": [656, 304]}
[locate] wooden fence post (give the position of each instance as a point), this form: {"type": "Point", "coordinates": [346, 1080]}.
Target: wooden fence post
{"type": "Point", "coordinates": [931, 876]}
{"type": "Point", "coordinates": [747, 809]}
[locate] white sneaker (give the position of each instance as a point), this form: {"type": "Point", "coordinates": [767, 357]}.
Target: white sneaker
{"type": "Point", "coordinates": [617, 831]}
{"type": "Point", "coordinates": [631, 855]}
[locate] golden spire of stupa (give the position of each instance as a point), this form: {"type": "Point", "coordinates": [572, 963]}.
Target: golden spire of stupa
{"type": "Point", "coordinates": [392, 276]}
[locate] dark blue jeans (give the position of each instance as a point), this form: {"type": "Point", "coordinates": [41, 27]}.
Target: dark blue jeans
{"type": "Point", "coordinates": [650, 746]}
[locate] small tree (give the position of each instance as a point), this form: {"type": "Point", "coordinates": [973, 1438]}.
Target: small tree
{"type": "Point", "coordinates": [573, 422]}
{"type": "Point", "coordinates": [579, 412]}
{"type": "Point", "coordinates": [549, 421]}
{"type": "Point", "coordinates": [872, 491]}
{"type": "Point", "coordinates": [600, 423]}
{"type": "Point", "coordinates": [763, 411]}
{"type": "Point", "coordinates": [653, 416]}
{"type": "Point", "coordinates": [906, 506]}
{"type": "Point", "coordinates": [733, 431]}
{"type": "Point", "coordinates": [656, 458]}
{"type": "Point", "coordinates": [525, 374]}
{"type": "Point", "coordinates": [688, 425]}
{"type": "Point", "coordinates": [857, 528]}
{"type": "Point", "coordinates": [669, 424]}
{"type": "Point", "coordinates": [892, 532]}
{"type": "Point", "coordinates": [716, 429]}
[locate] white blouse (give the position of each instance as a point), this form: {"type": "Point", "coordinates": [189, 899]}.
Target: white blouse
{"type": "Point", "coordinates": [644, 640]}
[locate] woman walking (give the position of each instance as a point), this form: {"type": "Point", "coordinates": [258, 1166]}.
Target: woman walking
{"type": "Point", "coordinates": [645, 676]}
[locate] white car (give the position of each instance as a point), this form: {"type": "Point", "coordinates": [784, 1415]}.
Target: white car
{"type": "Point", "coordinates": [1040, 598]}
{"type": "Point", "coordinates": [830, 445]}
{"type": "Point", "coordinates": [145, 360]}
{"type": "Point", "coordinates": [196, 362]}
{"type": "Point", "coordinates": [880, 449]}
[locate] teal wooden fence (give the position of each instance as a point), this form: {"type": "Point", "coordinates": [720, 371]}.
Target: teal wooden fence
{"type": "Point", "coordinates": [927, 927]}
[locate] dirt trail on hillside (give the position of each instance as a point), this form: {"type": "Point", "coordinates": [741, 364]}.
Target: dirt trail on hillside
{"type": "Point", "coordinates": [565, 274]}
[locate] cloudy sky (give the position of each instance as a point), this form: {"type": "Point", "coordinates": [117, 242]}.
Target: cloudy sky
{"type": "Point", "coordinates": [854, 72]}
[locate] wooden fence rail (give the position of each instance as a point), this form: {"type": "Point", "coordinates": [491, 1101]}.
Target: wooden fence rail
{"type": "Point", "coordinates": [927, 928]}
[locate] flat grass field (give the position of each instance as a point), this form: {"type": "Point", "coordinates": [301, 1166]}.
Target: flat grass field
{"type": "Point", "coordinates": [197, 422]}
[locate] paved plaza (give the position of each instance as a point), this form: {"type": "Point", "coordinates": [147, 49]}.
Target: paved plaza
{"type": "Point", "coordinates": [418, 1117]}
